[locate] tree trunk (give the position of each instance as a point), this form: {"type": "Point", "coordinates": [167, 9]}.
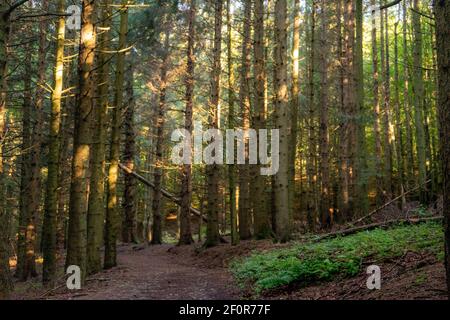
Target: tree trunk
{"type": "Point", "coordinates": [244, 101]}
{"type": "Point", "coordinates": [129, 202]}
{"type": "Point", "coordinates": [282, 115]}
{"type": "Point", "coordinates": [186, 184]}
{"type": "Point", "coordinates": [158, 173]}
{"type": "Point", "coordinates": [213, 172]}
{"type": "Point", "coordinates": [258, 186]}
{"type": "Point", "coordinates": [442, 14]}
{"type": "Point", "coordinates": [112, 201]}
{"type": "Point", "coordinates": [96, 208]}
{"type": "Point", "coordinates": [76, 244]}
{"type": "Point", "coordinates": [231, 125]}
{"type": "Point", "coordinates": [49, 227]}
{"type": "Point", "coordinates": [418, 94]}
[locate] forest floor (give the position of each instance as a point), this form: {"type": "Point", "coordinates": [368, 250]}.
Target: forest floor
{"type": "Point", "coordinates": [169, 272]}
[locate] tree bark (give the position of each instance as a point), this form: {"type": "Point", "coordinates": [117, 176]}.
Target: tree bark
{"type": "Point", "coordinates": [49, 227]}
{"type": "Point", "coordinates": [76, 243]}
{"type": "Point", "coordinates": [442, 14]}
{"type": "Point", "coordinates": [112, 201]}
{"type": "Point", "coordinates": [282, 115]}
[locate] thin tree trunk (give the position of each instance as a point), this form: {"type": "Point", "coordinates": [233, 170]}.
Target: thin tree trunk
{"type": "Point", "coordinates": [244, 102]}
{"type": "Point", "coordinates": [231, 125]}
{"type": "Point", "coordinates": [112, 201]}
{"type": "Point", "coordinates": [49, 227]}
{"type": "Point", "coordinates": [76, 244]}
{"type": "Point", "coordinates": [258, 185]}
{"type": "Point", "coordinates": [282, 115]}
{"type": "Point", "coordinates": [442, 14]}
{"type": "Point", "coordinates": [213, 172]}
{"type": "Point", "coordinates": [186, 184]}
{"type": "Point", "coordinates": [418, 94]}
{"type": "Point", "coordinates": [96, 208]}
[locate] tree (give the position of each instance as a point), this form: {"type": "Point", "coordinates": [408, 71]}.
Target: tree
{"type": "Point", "coordinates": [257, 191]}
{"type": "Point", "coordinates": [282, 213]}
{"type": "Point", "coordinates": [231, 125]}
{"type": "Point", "coordinates": [186, 184]}
{"type": "Point", "coordinates": [96, 207]}
{"type": "Point", "coordinates": [77, 233]}
{"type": "Point", "coordinates": [442, 14]}
{"type": "Point", "coordinates": [244, 102]}
{"type": "Point", "coordinates": [112, 202]}
{"type": "Point", "coordinates": [129, 153]}
{"type": "Point", "coordinates": [418, 98]}
{"type": "Point", "coordinates": [213, 172]}
{"type": "Point", "coordinates": [49, 227]}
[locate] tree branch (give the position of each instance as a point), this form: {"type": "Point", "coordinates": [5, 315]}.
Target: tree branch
{"type": "Point", "coordinates": [391, 4]}
{"type": "Point", "coordinates": [15, 5]}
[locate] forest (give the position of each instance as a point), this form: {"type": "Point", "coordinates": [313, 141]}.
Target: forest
{"type": "Point", "coordinates": [224, 149]}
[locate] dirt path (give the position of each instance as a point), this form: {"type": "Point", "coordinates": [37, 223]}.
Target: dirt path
{"type": "Point", "coordinates": [156, 272]}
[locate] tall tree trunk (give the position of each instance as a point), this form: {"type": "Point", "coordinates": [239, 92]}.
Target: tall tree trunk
{"type": "Point", "coordinates": [158, 173]}
{"type": "Point", "coordinates": [398, 122]}
{"type": "Point", "coordinates": [311, 159]}
{"type": "Point", "coordinates": [295, 102]}
{"type": "Point", "coordinates": [186, 184]}
{"type": "Point", "coordinates": [6, 284]}
{"type": "Point", "coordinates": [96, 207]}
{"type": "Point", "coordinates": [442, 14]}
{"type": "Point", "coordinates": [361, 205]}
{"type": "Point", "coordinates": [261, 220]}
{"type": "Point", "coordinates": [244, 102]}
{"type": "Point", "coordinates": [213, 172]}
{"type": "Point", "coordinates": [112, 202]}
{"type": "Point", "coordinates": [76, 244]}
{"type": "Point", "coordinates": [386, 94]}
{"type": "Point", "coordinates": [25, 166]}
{"type": "Point", "coordinates": [326, 218]}
{"type": "Point", "coordinates": [49, 227]}
{"type": "Point", "coordinates": [231, 125]}
{"type": "Point", "coordinates": [418, 94]}
{"type": "Point", "coordinates": [31, 219]}
{"type": "Point", "coordinates": [129, 201]}
{"type": "Point", "coordinates": [282, 115]}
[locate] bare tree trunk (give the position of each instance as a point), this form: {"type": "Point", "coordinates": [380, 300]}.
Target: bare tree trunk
{"type": "Point", "coordinates": [112, 202]}
{"type": "Point", "coordinates": [213, 172]}
{"type": "Point", "coordinates": [258, 185]}
{"type": "Point", "coordinates": [49, 227]}
{"type": "Point", "coordinates": [96, 207]}
{"type": "Point", "coordinates": [282, 115]}
{"type": "Point", "coordinates": [129, 201]}
{"type": "Point", "coordinates": [158, 171]}
{"type": "Point", "coordinates": [231, 125]}
{"type": "Point", "coordinates": [442, 14]}
{"type": "Point", "coordinates": [76, 244]}
{"type": "Point", "coordinates": [418, 94]}
{"type": "Point", "coordinates": [186, 184]}
{"type": "Point", "coordinates": [244, 102]}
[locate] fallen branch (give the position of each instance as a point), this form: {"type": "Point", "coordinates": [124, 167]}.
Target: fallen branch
{"type": "Point", "coordinates": [165, 193]}
{"type": "Point", "coordinates": [386, 204]}
{"type": "Point", "coordinates": [371, 226]}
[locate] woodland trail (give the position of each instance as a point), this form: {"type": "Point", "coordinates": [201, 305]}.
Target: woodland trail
{"type": "Point", "coordinates": [156, 272]}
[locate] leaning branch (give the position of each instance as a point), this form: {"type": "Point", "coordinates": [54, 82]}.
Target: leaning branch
{"type": "Point", "coordinates": [14, 6]}
{"type": "Point", "coordinates": [387, 204]}
{"type": "Point", "coordinates": [391, 4]}
{"type": "Point", "coordinates": [165, 193]}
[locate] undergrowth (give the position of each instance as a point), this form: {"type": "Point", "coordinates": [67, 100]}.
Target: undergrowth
{"type": "Point", "coordinates": [307, 263]}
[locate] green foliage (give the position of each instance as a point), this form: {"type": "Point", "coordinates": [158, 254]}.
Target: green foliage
{"type": "Point", "coordinates": [307, 263]}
